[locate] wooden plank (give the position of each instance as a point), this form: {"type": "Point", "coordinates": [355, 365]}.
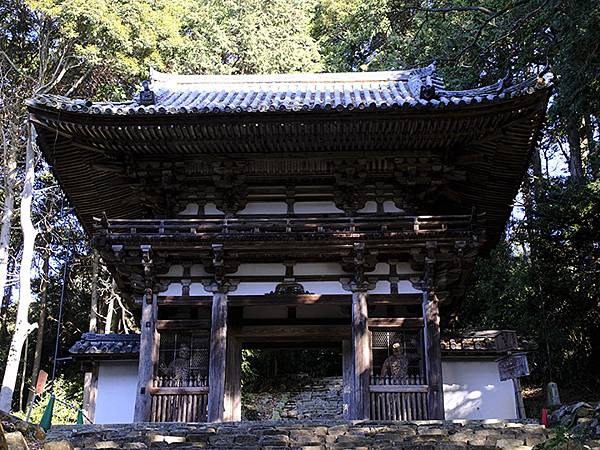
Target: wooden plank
{"type": "Point", "coordinates": [217, 358]}
{"type": "Point", "coordinates": [398, 388]}
{"type": "Point", "coordinates": [399, 322]}
{"type": "Point", "coordinates": [434, 356]}
{"type": "Point", "coordinates": [361, 350]}
{"type": "Point", "coordinates": [146, 361]}
{"type": "Point", "coordinates": [233, 387]}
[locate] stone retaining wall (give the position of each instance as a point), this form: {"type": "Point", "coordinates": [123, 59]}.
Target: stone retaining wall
{"type": "Point", "coordinates": [314, 435]}
{"type": "Point", "coordinates": [296, 398]}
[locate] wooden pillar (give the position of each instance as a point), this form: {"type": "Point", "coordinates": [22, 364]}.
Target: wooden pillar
{"type": "Point", "coordinates": [90, 390]}
{"type": "Point", "coordinates": [233, 387]}
{"type": "Point", "coordinates": [434, 357]}
{"type": "Point", "coordinates": [148, 355]}
{"type": "Point", "coordinates": [348, 377]}
{"type": "Point", "coordinates": [361, 351]}
{"type": "Point", "coordinates": [217, 357]}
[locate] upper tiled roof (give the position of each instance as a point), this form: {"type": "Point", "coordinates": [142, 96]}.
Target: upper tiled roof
{"type": "Point", "coordinates": [194, 94]}
{"type": "Point", "coordinates": [107, 345]}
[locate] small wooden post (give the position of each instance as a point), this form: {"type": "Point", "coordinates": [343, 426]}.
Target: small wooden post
{"type": "Point", "coordinates": [434, 358]}
{"type": "Point", "coordinates": [147, 359]}
{"type": "Point", "coordinates": [90, 389]}
{"type": "Point", "coordinates": [348, 377]}
{"type": "Point", "coordinates": [233, 388]}
{"type": "Point", "coordinates": [361, 355]}
{"type": "Point", "coordinates": [217, 357]}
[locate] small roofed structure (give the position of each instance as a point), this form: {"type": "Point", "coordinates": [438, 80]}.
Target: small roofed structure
{"type": "Point", "coordinates": [299, 209]}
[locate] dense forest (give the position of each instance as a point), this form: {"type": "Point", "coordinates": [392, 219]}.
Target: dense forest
{"type": "Point", "coordinates": [542, 280]}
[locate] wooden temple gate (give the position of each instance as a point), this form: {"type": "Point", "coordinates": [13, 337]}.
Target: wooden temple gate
{"type": "Point", "coordinates": [208, 174]}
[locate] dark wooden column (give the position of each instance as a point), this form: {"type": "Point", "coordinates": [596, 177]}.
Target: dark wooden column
{"type": "Point", "coordinates": [217, 363]}
{"type": "Point", "coordinates": [361, 350]}
{"type": "Point", "coordinates": [348, 377]}
{"type": "Point", "coordinates": [434, 357]}
{"type": "Point", "coordinates": [147, 359]}
{"type": "Point", "coordinates": [233, 400]}
{"type": "Point", "coordinates": [148, 341]}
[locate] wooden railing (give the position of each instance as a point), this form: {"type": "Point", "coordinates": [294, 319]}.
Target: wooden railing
{"type": "Point", "coordinates": [398, 399]}
{"type": "Point", "coordinates": [285, 224]}
{"type": "Point", "coordinates": [179, 400]}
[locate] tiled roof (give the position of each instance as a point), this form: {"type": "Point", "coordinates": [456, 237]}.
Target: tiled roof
{"type": "Point", "coordinates": [197, 94]}
{"type": "Point", "coordinates": [107, 345]}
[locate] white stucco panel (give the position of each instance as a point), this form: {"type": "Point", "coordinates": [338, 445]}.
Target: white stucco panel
{"type": "Point", "coordinates": [117, 386]}
{"type": "Point", "coordinates": [191, 209]}
{"type": "Point", "coordinates": [473, 390]}
{"type": "Point", "coordinates": [261, 269]}
{"type": "Point", "coordinates": [264, 208]}
{"type": "Point", "coordinates": [329, 268]}
{"type": "Point", "coordinates": [173, 290]}
{"type": "Point", "coordinates": [316, 208]}
{"type": "Point", "coordinates": [370, 207]}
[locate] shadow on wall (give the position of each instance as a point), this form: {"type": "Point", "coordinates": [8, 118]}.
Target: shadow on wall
{"type": "Point", "coordinates": [459, 402]}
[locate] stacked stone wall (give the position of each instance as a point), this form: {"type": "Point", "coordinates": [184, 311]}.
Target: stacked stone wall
{"type": "Point", "coordinates": [309, 435]}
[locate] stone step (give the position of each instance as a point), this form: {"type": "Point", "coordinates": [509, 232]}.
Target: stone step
{"type": "Point", "coordinates": [306, 435]}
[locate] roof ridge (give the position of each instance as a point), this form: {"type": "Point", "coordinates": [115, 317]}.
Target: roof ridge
{"type": "Point", "coordinates": [158, 78]}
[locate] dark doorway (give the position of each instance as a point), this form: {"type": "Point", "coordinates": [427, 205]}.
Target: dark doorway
{"type": "Point", "coordinates": [292, 382]}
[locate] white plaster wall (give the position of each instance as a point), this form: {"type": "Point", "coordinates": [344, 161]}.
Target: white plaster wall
{"type": "Point", "coordinates": [370, 207]}
{"type": "Point", "coordinates": [316, 208]}
{"type": "Point", "coordinates": [473, 390]}
{"type": "Point", "coordinates": [260, 269]}
{"type": "Point", "coordinates": [389, 206]}
{"type": "Point", "coordinates": [406, 287]}
{"type": "Point", "coordinates": [210, 208]}
{"type": "Point", "coordinates": [191, 209]}
{"type": "Point", "coordinates": [264, 208]}
{"type": "Point", "coordinates": [117, 385]}
{"type": "Point", "coordinates": [329, 268]}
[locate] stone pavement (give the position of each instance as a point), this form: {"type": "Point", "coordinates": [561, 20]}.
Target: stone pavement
{"type": "Point", "coordinates": [306, 435]}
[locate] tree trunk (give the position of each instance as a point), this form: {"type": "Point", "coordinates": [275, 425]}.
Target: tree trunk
{"type": "Point", "coordinates": [10, 179]}
{"type": "Point", "coordinates": [110, 311]}
{"type": "Point", "coordinates": [575, 159]}
{"type": "Point", "coordinates": [94, 305]}
{"type": "Point", "coordinates": [39, 340]}
{"type": "Point", "coordinates": [22, 325]}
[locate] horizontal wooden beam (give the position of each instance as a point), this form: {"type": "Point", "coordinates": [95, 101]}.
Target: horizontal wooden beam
{"type": "Point", "coordinates": [183, 390]}
{"type": "Point", "coordinates": [293, 300]}
{"type": "Point", "coordinates": [292, 332]}
{"type": "Point", "coordinates": [181, 324]}
{"type": "Point", "coordinates": [400, 322]}
{"type": "Point", "coordinates": [390, 388]}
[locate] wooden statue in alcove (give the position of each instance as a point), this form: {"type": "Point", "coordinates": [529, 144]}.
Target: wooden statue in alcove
{"type": "Point", "coordinates": [395, 365]}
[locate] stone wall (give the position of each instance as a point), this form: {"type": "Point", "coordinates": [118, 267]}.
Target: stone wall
{"type": "Point", "coordinates": [307, 435]}
{"type": "Point", "coordinates": [296, 398]}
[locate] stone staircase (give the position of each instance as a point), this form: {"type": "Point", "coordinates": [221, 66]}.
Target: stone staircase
{"type": "Point", "coordinates": [306, 435]}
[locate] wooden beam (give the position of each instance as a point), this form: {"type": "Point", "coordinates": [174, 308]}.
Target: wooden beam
{"type": "Point", "coordinates": [233, 387]}
{"type": "Point", "coordinates": [291, 333]}
{"type": "Point", "coordinates": [217, 358]}
{"type": "Point", "coordinates": [147, 360]}
{"type": "Point", "coordinates": [399, 388]}
{"type": "Point", "coordinates": [296, 300]}
{"type": "Point", "coordinates": [399, 322]}
{"type": "Point", "coordinates": [434, 358]}
{"type": "Point", "coordinates": [361, 349]}
{"type": "Point", "coordinates": [179, 324]}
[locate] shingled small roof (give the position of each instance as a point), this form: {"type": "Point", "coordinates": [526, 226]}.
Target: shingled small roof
{"type": "Point", "coordinates": [206, 94]}
{"type": "Point", "coordinates": [103, 345]}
